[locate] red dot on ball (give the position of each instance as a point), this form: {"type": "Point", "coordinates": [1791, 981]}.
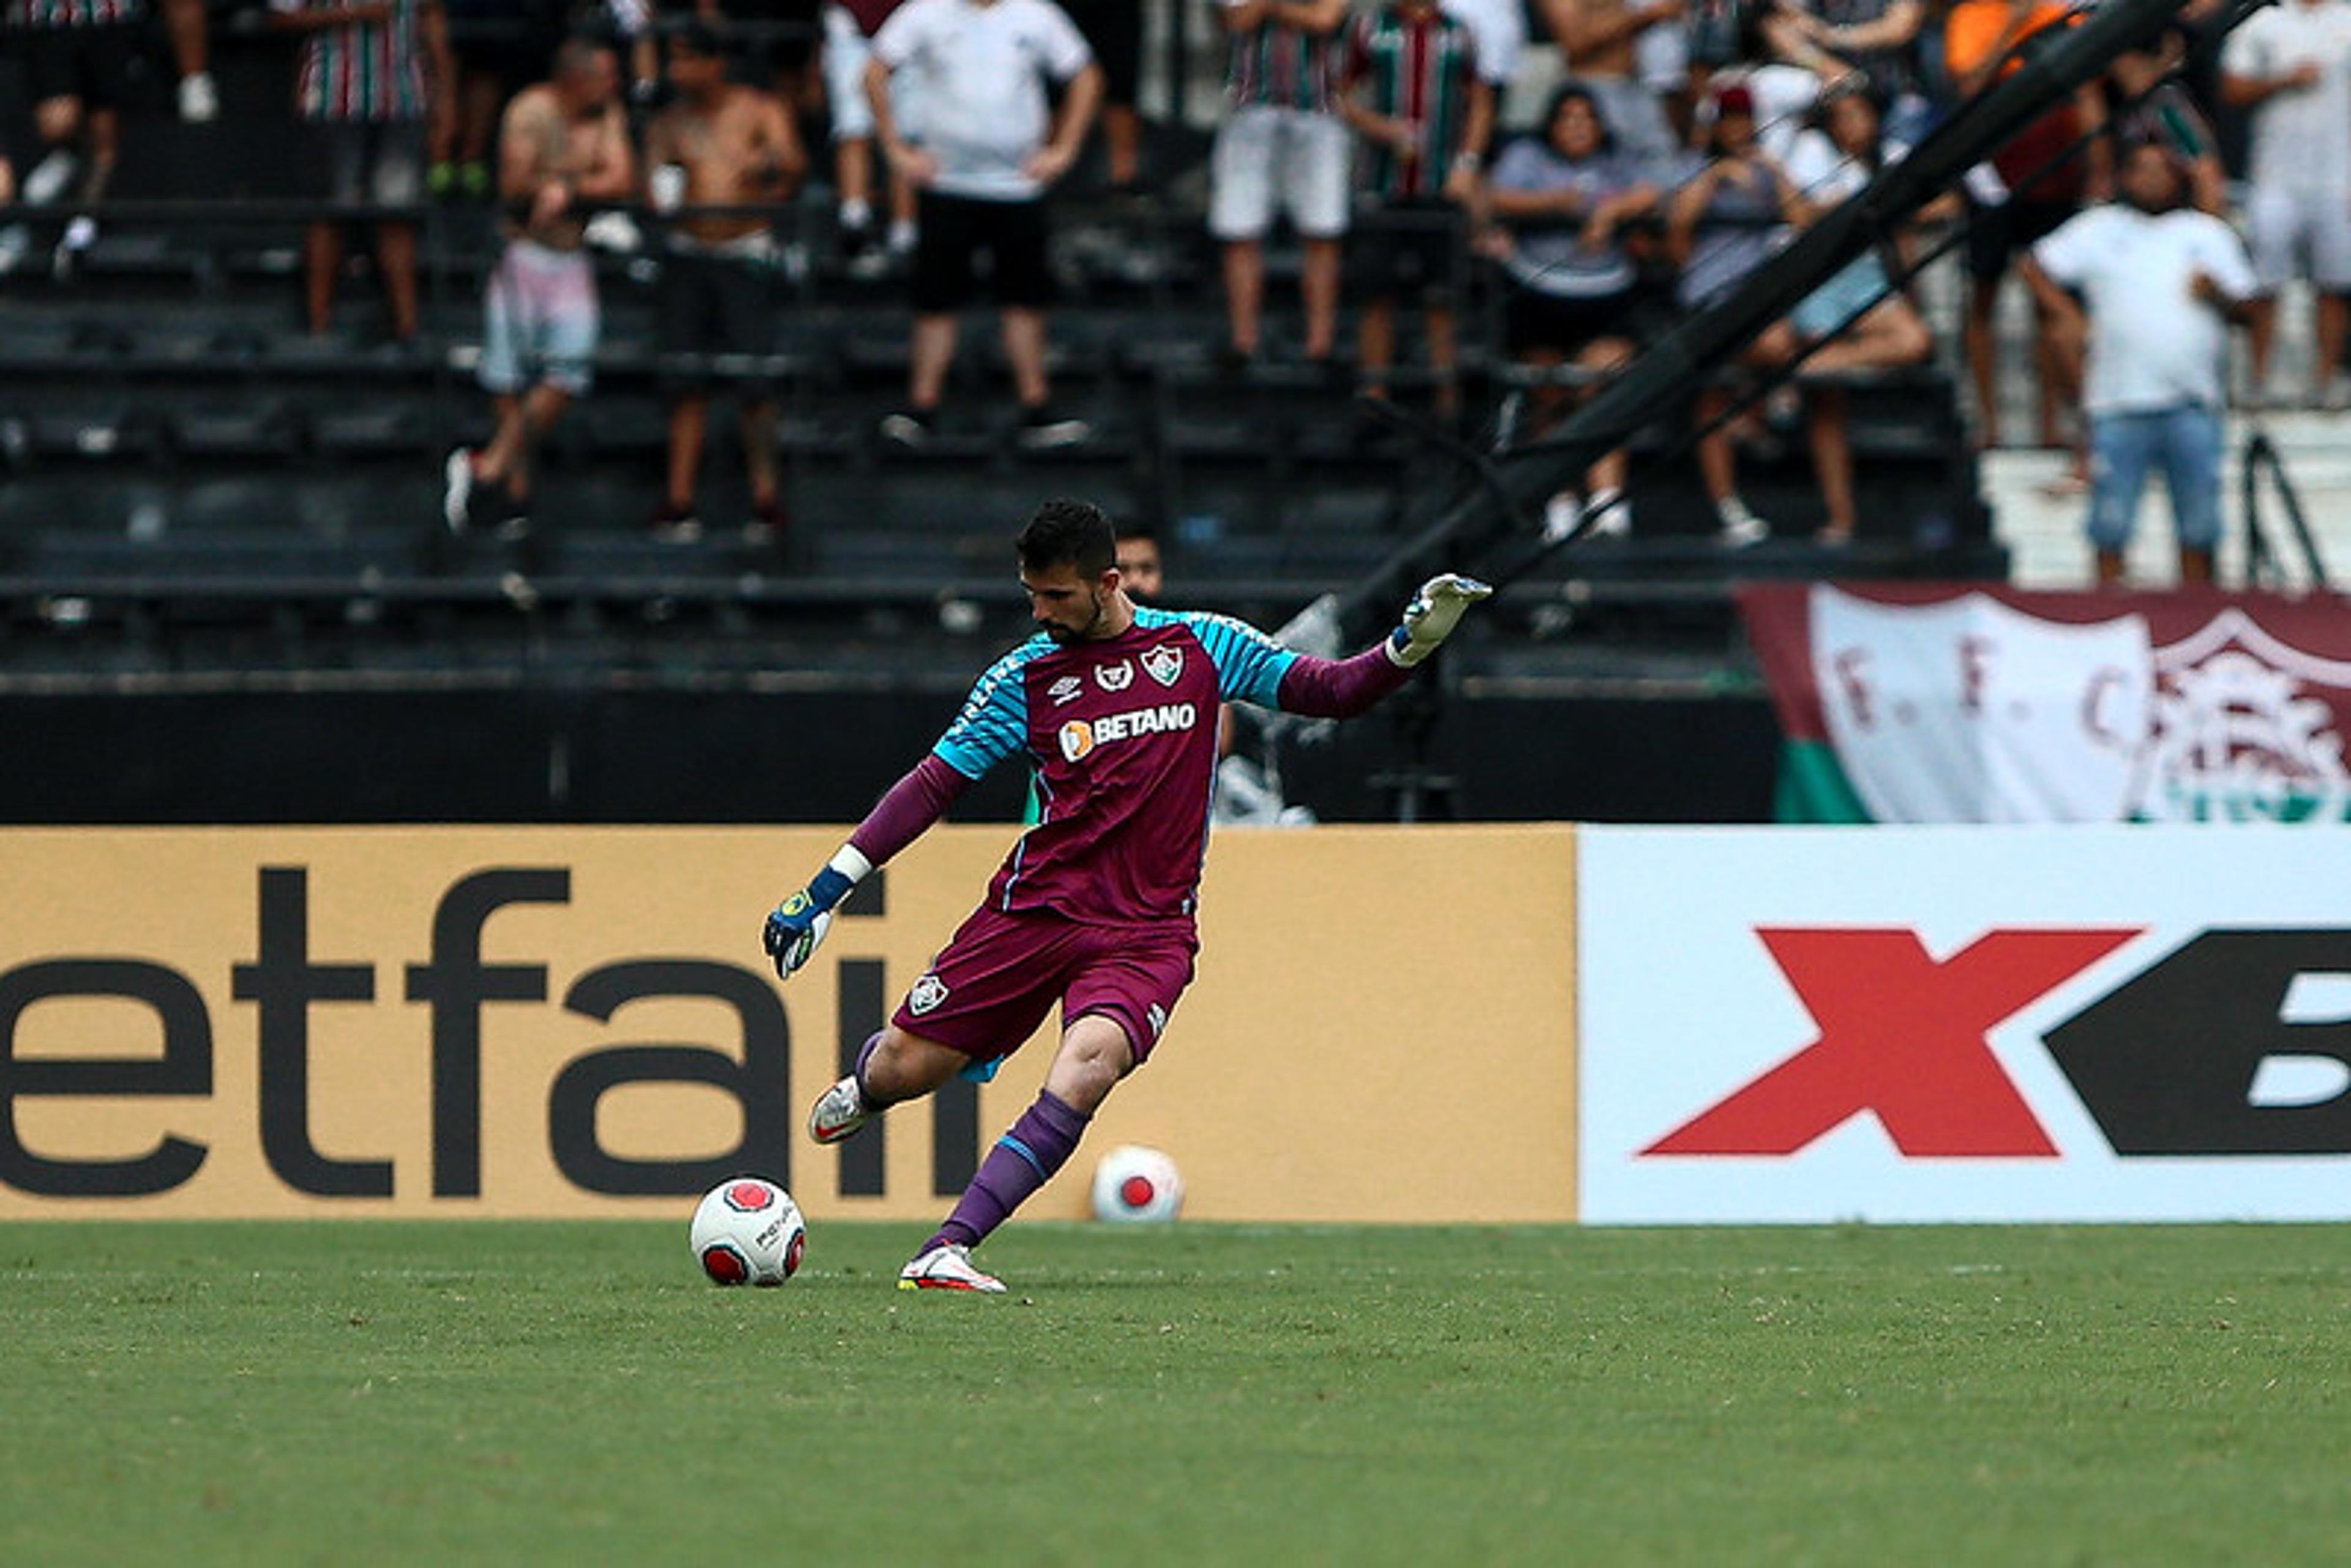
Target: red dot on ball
{"type": "Point", "coordinates": [1136, 1191]}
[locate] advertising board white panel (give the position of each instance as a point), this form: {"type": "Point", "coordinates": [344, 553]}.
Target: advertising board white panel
{"type": "Point", "coordinates": [1964, 1024]}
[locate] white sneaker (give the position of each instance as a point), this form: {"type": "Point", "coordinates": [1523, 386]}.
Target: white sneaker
{"type": "Point", "coordinates": [457, 490]}
{"type": "Point", "coordinates": [1740, 527]}
{"type": "Point", "coordinates": [840, 1110]}
{"type": "Point", "coordinates": [49, 178]}
{"type": "Point", "coordinates": [199, 98]}
{"type": "Point", "coordinates": [948, 1266]}
{"type": "Point", "coordinates": [80, 234]}
{"type": "Point", "coordinates": [1612, 514]}
{"type": "Point", "coordinates": [1561, 514]}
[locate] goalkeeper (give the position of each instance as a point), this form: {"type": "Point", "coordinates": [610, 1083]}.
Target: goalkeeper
{"type": "Point", "coordinates": [1115, 706]}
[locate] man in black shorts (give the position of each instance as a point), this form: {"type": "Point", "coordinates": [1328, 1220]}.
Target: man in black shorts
{"type": "Point", "coordinates": [992, 145]}
{"type": "Point", "coordinates": [720, 145]}
{"type": "Point", "coordinates": [1113, 30]}
{"type": "Point", "coordinates": [81, 63]}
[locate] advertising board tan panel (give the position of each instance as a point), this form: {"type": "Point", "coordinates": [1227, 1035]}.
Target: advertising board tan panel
{"type": "Point", "coordinates": [578, 1021]}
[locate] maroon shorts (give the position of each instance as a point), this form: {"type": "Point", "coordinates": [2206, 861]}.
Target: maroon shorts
{"type": "Point", "coordinates": [995, 982]}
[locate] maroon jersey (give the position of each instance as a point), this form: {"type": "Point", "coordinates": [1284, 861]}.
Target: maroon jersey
{"type": "Point", "coordinates": [1122, 735]}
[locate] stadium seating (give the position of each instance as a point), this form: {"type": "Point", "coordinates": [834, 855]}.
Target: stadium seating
{"type": "Point", "coordinates": [170, 437]}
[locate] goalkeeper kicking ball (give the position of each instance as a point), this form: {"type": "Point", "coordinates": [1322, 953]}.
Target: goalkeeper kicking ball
{"type": "Point", "coordinates": [1134, 1184]}
{"type": "Point", "coordinates": [749, 1231]}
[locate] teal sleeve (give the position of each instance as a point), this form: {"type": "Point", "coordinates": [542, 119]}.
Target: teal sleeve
{"type": "Point", "coordinates": [994, 723]}
{"type": "Point", "coordinates": [1250, 664]}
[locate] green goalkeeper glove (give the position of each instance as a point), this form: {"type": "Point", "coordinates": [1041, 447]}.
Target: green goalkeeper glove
{"type": "Point", "coordinates": [1431, 616]}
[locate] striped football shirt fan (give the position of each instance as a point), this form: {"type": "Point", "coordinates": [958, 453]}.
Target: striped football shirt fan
{"type": "Point", "coordinates": [1422, 68]}
{"type": "Point", "coordinates": [1283, 66]}
{"type": "Point", "coordinates": [372, 71]}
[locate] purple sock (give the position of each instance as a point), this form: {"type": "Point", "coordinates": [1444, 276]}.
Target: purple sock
{"type": "Point", "coordinates": [1023, 1160]}
{"type": "Point", "coordinates": [857, 1069]}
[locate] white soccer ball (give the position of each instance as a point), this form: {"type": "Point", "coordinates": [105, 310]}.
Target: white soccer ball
{"type": "Point", "coordinates": [749, 1231]}
{"type": "Point", "coordinates": [1134, 1185]}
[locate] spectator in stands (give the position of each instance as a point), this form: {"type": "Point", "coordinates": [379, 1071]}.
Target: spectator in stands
{"type": "Point", "coordinates": [1411, 91]}
{"type": "Point", "coordinates": [1140, 571]}
{"type": "Point", "coordinates": [501, 48]}
{"type": "Point", "coordinates": [1858, 320]}
{"type": "Point", "coordinates": [848, 30]}
{"type": "Point", "coordinates": [80, 58]}
{"type": "Point", "coordinates": [992, 146]}
{"type": "Point", "coordinates": [1281, 142]}
{"type": "Point", "coordinates": [2159, 282]}
{"type": "Point", "coordinates": [2032, 185]}
{"type": "Point", "coordinates": [1786, 95]}
{"type": "Point", "coordinates": [2148, 103]}
{"type": "Point", "coordinates": [1721, 227]}
{"type": "Point", "coordinates": [1561, 202]}
{"type": "Point", "coordinates": [1877, 39]}
{"type": "Point", "coordinates": [2143, 106]}
{"type": "Point", "coordinates": [2290, 65]}
{"type": "Point", "coordinates": [1598, 39]}
{"type": "Point", "coordinates": [718, 144]}
{"type": "Point", "coordinates": [778, 39]}
{"type": "Point", "coordinates": [1113, 31]}
{"type": "Point", "coordinates": [369, 78]}
{"type": "Point", "coordinates": [563, 148]}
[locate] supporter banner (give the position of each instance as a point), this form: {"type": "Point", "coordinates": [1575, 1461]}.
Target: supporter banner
{"type": "Point", "coordinates": [1940, 703]}
{"type": "Point", "coordinates": [576, 1022]}
{"type": "Point", "coordinates": [1982, 1024]}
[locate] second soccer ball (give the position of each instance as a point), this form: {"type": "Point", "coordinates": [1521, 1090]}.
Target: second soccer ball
{"type": "Point", "coordinates": [1135, 1183]}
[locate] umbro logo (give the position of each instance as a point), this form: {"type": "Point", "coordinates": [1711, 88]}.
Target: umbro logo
{"type": "Point", "coordinates": [1065, 690]}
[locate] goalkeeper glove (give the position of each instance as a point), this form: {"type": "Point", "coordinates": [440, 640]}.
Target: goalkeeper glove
{"type": "Point", "coordinates": [1431, 616]}
{"type": "Point", "coordinates": [799, 922]}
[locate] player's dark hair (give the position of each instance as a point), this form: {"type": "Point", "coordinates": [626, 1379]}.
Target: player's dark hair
{"type": "Point", "coordinates": [1069, 533]}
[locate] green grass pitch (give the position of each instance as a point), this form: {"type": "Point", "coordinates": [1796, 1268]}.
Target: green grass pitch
{"type": "Point", "coordinates": [371, 1393]}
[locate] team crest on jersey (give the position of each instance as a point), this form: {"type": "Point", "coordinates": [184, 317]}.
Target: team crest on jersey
{"type": "Point", "coordinates": [928, 992]}
{"type": "Point", "coordinates": [1065, 690]}
{"type": "Point", "coordinates": [1115, 677]}
{"type": "Point", "coordinates": [1164, 664]}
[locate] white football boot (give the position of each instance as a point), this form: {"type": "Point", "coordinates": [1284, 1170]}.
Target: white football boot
{"type": "Point", "coordinates": [948, 1266]}
{"type": "Point", "coordinates": [840, 1110]}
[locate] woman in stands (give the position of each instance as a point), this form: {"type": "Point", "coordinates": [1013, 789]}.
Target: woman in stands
{"type": "Point", "coordinates": [1560, 204]}
{"type": "Point", "coordinates": [1860, 321]}
{"type": "Point", "coordinates": [1723, 223]}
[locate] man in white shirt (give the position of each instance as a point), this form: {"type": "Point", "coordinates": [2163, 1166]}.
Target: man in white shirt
{"type": "Point", "coordinates": [2160, 283]}
{"type": "Point", "coordinates": [2290, 65]}
{"type": "Point", "coordinates": [992, 145]}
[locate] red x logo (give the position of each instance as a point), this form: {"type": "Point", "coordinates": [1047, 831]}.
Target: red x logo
{"type": "Point", "coordinates": [1903, 1037]}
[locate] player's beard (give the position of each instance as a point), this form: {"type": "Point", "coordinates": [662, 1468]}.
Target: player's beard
{"type": "Point", "coordinates": [1068, 635]}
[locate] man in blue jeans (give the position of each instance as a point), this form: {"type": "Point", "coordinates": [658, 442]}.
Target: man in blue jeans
{"type": "Point", "coordinates": [2160, 284]}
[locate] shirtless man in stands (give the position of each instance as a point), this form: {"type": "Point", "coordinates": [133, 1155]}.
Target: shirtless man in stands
{"type": "Point", "coordinates": [718, 145]}
{"type": "Point", "coordinates": [563, 149]}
